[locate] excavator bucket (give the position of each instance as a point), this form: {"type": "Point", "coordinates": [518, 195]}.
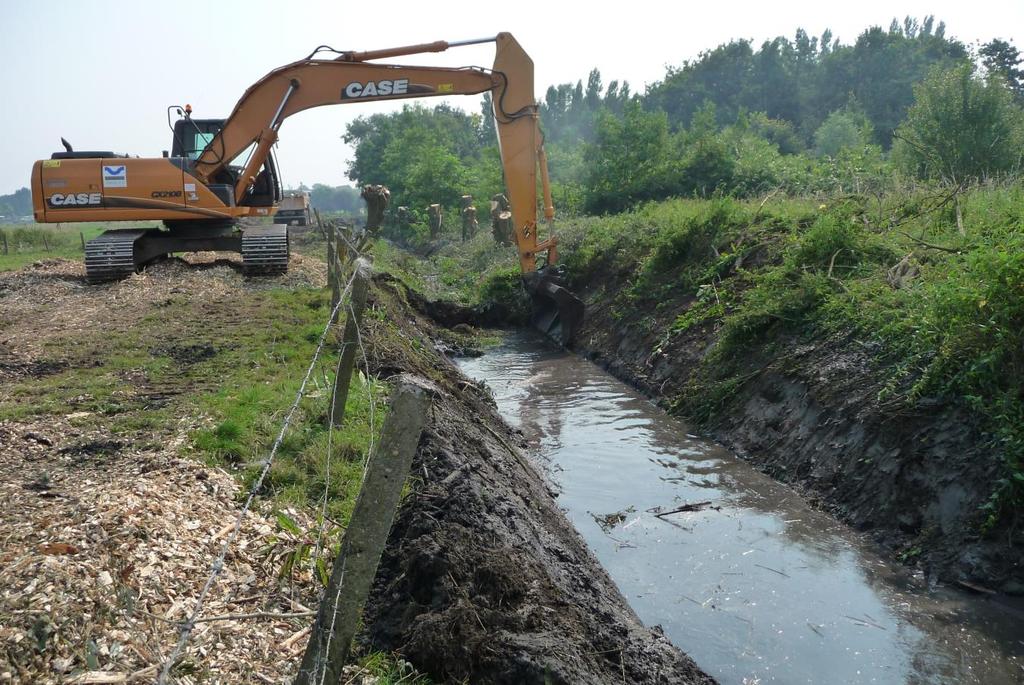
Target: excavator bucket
{"type": "Point", "coordinates": [556, 312]}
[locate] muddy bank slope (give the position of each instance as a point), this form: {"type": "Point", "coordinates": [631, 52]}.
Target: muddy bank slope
{"type": "Point", "coordinates": [808, 413]}
{"type": "Point", "coordinates": [484, 578]}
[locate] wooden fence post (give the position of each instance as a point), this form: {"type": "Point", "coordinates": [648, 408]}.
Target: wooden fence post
{"type": "Point", "coordinates": [333, 272]}
{"type": "Point", "coordinates": [350, 340]}
{"type": "Point", "coordinates": [341, 245]}
{"type": "Point", "coordinates": [82, 236]}
{"type": "Point", "coordinates": [46, 243]}
{"type": "Point", "coordinates": [367, 533]}
{"type": "Point", "coordinates": [4, 234]}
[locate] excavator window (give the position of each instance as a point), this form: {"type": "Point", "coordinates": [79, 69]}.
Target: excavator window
{"type": "Point", "coordinates": [200, 141]}
{"type": "Point", "coordinates": [191, 136]}
{"type": "Point", "coordinates": [266, 191]}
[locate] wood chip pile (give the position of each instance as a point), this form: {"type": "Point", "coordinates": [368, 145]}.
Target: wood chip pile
{"type": "Point", "coordinates": [105, 548]}
{"type": "Point", "coordinates": [53, 294]}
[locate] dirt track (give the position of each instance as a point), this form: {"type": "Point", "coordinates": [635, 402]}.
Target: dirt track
{"type": "Point", "coordinates": [484, 579]}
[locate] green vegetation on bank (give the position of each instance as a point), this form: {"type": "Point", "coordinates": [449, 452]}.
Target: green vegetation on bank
{"type": "Point", "coordinates": [931, 282]}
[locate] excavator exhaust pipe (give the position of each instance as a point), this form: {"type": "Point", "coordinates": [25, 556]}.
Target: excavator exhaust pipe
{"type": "Point", "coordinates": [556, 312]}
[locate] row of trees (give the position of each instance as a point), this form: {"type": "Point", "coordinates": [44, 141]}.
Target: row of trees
{"type": "Point", "coordinates": [960, 127]}
{"type": "Point", "coordinates": [803, 115]}
{"type": "Point", "coordinates": [16, 205]}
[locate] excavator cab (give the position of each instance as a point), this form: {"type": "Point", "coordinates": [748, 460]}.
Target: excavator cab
{"type": "Point", "coordinates": [193, 136]}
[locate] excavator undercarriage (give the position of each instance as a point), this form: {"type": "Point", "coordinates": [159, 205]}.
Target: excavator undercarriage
{"type": "Point", "coordinates": [118, 253]}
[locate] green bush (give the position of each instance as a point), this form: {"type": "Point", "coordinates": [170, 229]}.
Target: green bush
{"type": "Point", "coordinates": [960, 128]}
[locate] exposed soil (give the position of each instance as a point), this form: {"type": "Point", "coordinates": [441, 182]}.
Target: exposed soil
{"type": "Point", "coordinates": [809, 414]}
{"type": "Point", "coordinates": [483, 580]}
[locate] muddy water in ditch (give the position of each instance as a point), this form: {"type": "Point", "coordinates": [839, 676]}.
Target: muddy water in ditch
{"type": "Point", "coordinates": [756, 586]}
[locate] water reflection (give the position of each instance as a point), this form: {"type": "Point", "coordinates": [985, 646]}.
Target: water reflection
{"type": "Point", "coordinates": [756, 586]}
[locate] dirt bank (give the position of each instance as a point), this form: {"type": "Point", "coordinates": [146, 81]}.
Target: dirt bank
{"type": "Point", "coordinates": [809, 414]}
{"type": "Point", "coordinates": [484, 578]}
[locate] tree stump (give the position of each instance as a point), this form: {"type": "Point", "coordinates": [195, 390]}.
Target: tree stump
{"type": "Point", "coordinates": [404, 217]}
{"type": "Point", "coordinates": [501, 220]}
{"type": "Point", "coordinates": [377, 198]}
{"type": "Point", "coordinates": [434, 212]}
{"type": "Point", "coordinates": [469, 223]}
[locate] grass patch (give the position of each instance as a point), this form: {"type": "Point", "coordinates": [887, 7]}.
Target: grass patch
{"type": "Point", "coordinates": [28, 243]}
{"type": "Point", "coordinates": [478, 273]}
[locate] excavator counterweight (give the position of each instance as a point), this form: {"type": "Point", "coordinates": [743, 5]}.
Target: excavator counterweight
{"type": "Point", "coordinates": [220, 174]}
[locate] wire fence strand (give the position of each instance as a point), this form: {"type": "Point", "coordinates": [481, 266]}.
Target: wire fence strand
{"type": "Point", "coordinates": [218, 565]}
{"type": "Point", "coordinates": [320, 668]}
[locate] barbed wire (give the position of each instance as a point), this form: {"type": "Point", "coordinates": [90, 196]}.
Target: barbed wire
{"type": "Point", "coordinates": [218, 565]}
{"type": "Point", "coordinates": [330, 448]}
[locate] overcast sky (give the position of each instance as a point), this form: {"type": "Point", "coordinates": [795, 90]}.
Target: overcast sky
{"type": "Point", "coordinates": [101, 73]}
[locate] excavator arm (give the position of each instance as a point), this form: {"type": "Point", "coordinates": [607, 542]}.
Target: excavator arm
{"type": "Point", "coordinates": [352, 77]}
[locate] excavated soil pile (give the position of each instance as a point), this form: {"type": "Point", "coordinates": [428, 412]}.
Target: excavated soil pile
{"type": "Point", "coordinates": [484, 578]}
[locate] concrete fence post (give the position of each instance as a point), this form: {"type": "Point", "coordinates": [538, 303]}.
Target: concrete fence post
{"type": "Point", "coordinates": [350, 340]}
{"type": "Point", "coordinates": [367, 533]}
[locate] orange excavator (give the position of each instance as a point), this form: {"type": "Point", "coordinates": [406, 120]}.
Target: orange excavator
{"type": "Point", "coordinates": [222, 171]}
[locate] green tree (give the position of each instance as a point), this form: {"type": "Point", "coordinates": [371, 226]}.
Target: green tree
{"type": "Point", "coordinates": [721, 75]}
{"type": "Point", "coordinates": [1003, 60]}
{"type": "Point", "coordinates": [593, 94]}
{"type": "Point", "coordinates": [335, 198]}
{"type": "Point", "coordinates": [706, 163]}
{"type": "Point", "coordinates": [960, 127]}
{"type": "Point", "coordinates": [17, 204]}
{"type": "Point", "coordinates": [488, 133]}
{"type": "Point", "coordinates": [423, 155]}
{"type": "Point", "coordinates": [778, 132]}
{"type": "Point", "coordinates": [628, 161]}
{"type": "Point", "coordinates": [843, 129]}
